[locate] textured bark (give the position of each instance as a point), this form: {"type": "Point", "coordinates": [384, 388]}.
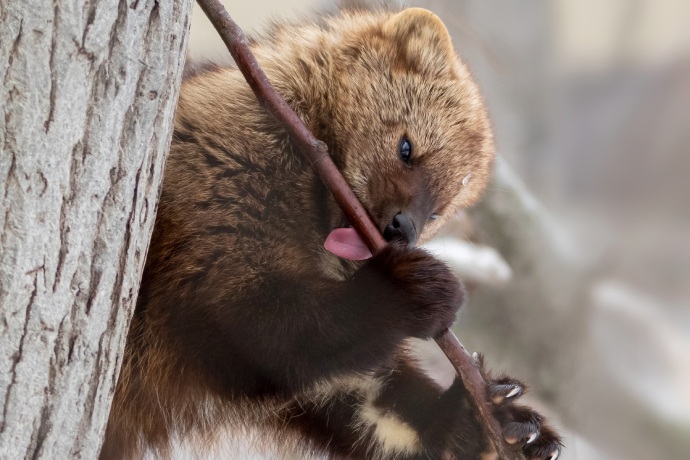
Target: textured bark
{"type": "Point", "coordinates": [87, 100]}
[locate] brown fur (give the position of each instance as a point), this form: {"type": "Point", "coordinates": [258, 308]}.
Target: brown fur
{"type": "Point", "coordinates": [243, 318]}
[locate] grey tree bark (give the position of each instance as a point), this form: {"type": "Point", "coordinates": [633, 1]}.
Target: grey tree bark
{"type": "Point", "coordinates": [87, 100]}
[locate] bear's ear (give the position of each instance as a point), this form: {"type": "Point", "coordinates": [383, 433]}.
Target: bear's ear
{"type": "Point", "coordinates": [423, 42]}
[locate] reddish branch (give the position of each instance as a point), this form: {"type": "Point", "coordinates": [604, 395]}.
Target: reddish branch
{"type": "Point", "coordinates": [317, 153]}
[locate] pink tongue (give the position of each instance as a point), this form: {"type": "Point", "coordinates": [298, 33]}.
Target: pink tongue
{"type": "Point", "coordinates": [346, 243]}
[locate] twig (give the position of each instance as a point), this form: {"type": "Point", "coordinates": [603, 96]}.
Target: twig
{"type": "Point", "coordinates": [317, 153]}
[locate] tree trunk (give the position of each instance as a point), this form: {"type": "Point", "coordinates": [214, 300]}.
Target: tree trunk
{"type": "Point", "coordinates": [87, 99]}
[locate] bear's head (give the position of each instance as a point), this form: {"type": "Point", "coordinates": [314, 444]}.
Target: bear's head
{"type": "Point", "coordinates": [407, 126]}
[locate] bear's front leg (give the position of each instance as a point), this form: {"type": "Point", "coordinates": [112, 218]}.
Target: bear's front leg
{"type": "Point", "coordinates": [289, 329]}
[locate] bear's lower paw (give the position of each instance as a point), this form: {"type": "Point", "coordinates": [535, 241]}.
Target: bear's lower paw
{"type": "Point", "coordinates": [523, 428]}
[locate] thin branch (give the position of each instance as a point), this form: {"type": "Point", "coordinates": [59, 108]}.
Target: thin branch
{"type": "Point", "coordinates": [317, 153]}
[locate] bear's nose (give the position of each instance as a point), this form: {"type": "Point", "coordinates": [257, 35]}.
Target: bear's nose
{"type": "Point", "coordinates": [402, 227]}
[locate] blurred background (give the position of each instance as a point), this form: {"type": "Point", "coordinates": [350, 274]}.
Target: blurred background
{"type": "Point", "coordinates": [578, 259]}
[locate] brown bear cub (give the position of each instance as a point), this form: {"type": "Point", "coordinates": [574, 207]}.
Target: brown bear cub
{"type": "Point", "coordinates": [245, 320]}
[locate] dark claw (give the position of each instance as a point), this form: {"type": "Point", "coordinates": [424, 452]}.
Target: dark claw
{"type": "Point", "coordinates": [521, 425]}
{"type": "Point", "coordinates": [521, 433]}
{"type": "Point", "coordinates": [503, 392]}
{"type": "Point", "coordinates": [546, 447]}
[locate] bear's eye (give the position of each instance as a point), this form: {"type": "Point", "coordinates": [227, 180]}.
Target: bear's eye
{"type": "Point", "coordinates": [434, 216]}
{"type": "Point", "coordinates": [405, 150]}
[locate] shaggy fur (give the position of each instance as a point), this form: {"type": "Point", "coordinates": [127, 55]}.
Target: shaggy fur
{"type": "Point", "coordinates": [244, 320]}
